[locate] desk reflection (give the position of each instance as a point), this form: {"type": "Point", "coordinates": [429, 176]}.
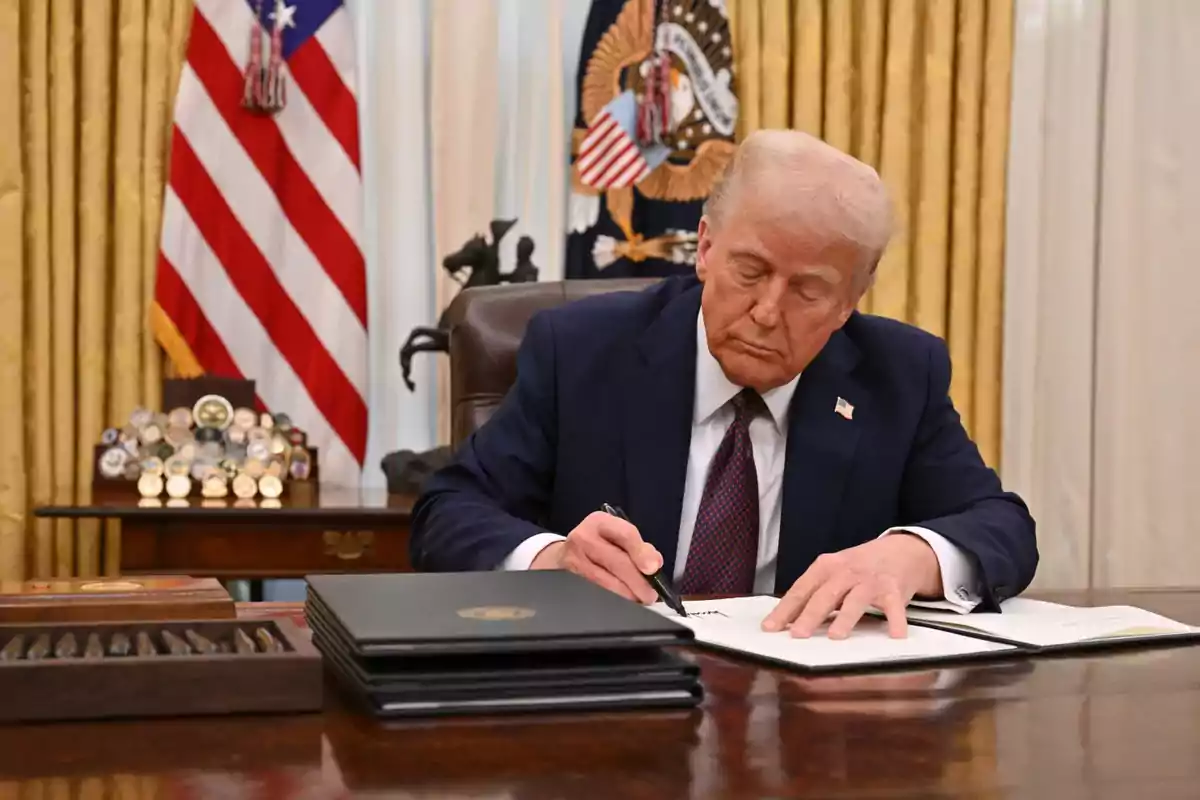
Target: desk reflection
{"type": "Point", "coordinates": [275, 756]}
{"type": "Point", "coordinates": [522, 757]}
{"type": "Point", "coordinates": [773, 733]}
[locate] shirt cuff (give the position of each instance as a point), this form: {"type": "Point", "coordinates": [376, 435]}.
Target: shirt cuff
{"type": "Point", "coordinates": [524, 554]}
{"type": "Point", "coordinates": [959, 581]}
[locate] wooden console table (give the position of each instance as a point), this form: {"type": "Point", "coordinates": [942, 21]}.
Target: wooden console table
{"type": "Point", "coordinates": [326, 530]}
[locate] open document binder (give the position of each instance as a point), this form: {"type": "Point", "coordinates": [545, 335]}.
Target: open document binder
{"type": "Point", "coordinates": [1023, 626]}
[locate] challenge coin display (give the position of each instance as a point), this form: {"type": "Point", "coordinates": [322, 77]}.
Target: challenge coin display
{"type": "Point", "coordinates": [270, 486]}
{"type": "Point", "coordinates": [180, 418]}
{"type": "Point", "coordinates": [300, 465]}
{"type": "Point", "coordinates": [150, 485]}
{"type": "Point", "coordinates": [214, 485]}
{"type": "Point", "coordinates": [112, 463]}
{"type": "Point", "coordinates": [204, 450]}
{"type": "Point", "coordinates": [245, 486]}
{"type": "Point", "coordinates": [179, 486]}
{"type": "Point", "coordinates": [244, 418]}
{"type": "Point", "coordinates": [213, 411]}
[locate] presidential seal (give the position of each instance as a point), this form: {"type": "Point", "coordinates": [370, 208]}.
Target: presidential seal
{"type": "Point", "coordinates": [496, 613]}
{"type": "Point", "coordinates": [655, 131]}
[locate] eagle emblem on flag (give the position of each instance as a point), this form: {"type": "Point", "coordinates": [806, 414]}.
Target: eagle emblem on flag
{"type": "Point", "coordinates": [654, 131]}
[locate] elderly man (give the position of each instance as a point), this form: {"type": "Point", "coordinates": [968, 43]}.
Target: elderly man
{"type": "Point", "coordinates": [760, 434]}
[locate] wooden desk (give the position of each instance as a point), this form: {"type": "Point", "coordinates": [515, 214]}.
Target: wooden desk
{"type": "Point", "coordinates": [1119, 725]}
{"type": "Point", "coordinates": [310, 532]}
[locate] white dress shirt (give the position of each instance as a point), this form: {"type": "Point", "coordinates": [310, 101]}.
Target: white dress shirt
{"type": "Point", "coordinates": [712, 414]}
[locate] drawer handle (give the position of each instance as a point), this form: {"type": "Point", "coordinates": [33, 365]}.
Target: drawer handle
{"type": "Point", "coordinates": [348, 545]}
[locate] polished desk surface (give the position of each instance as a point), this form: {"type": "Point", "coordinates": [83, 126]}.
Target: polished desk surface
{"type": "Point", "coordinates": [1122, 724]}
{"type": "Point", "coordinates": [315, 504]}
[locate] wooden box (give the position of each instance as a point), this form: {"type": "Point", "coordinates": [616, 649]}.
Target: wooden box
{"type": "Point", "coordinates": [114, 599]}
{"type": "Point", "coordinates": [80, 687]}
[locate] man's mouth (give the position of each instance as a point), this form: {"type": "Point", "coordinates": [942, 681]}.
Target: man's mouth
{"type": "Point", "coordinates": [752, 349]}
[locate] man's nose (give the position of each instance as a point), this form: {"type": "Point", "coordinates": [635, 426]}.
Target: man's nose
{"type": "Point", "coordinates": [765, 311]}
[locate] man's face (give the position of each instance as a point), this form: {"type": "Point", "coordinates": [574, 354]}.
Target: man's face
{"type": "Point", "coordinates": [774, 290]}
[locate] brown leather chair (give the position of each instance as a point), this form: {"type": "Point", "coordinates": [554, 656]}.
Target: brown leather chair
{"type": "Point", "coordinates": [487, 324]}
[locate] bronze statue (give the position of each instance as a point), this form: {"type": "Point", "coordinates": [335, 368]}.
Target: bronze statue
{"type": "Point", "coordinates": [481, 263]}
{"type": "Point", "coordinates": [406, 470]}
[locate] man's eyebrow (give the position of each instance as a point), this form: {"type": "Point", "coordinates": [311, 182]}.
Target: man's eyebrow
{"type": "Point", "coordinates": [749, 255]}
{"type": "Point", "coordinates": [826, 275]}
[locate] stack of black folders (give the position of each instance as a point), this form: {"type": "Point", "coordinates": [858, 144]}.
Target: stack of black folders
{"type": "Point", "coordinates": [428, 644]}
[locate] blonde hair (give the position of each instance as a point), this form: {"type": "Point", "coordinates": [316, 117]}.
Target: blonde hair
{"type": "Point", "coordinates": [840, 194]}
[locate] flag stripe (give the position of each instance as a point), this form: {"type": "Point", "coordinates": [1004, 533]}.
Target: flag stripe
{"type": "Point", "coordinates": [619, 164]}
{"type": "Point", "coordinates": [261, 217]}
{"type": "Point", "coordinates": [636, 170]}
{"type": "Point", "coordinates": [288, 330]}
{"type": "Point", "coordinates": [595, 146]}
{"type": "Point", "coordinates": [263, 143]}
{"type": "Point", "coordinates": [187, 315]}
{"type": "Point", "coordinates": [615, 154]}
{"type": "Point", "coordinates": [336, 38]}
{"type": "Point", "coordinates": [317, 77]}
{"type": "Point", "coordinates": [601, 127]}
{"type": "Point", "coordinates": [236, 324]}
{"type": "Point", "coordinates": [318, 106]}
{"type": "Point", "coordinates": [615, 144]}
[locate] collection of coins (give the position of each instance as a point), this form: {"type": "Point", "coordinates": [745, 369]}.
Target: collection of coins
{"type": "Point", "coordinates": [41, 646]}
{"type": "Point", "coordinates": [213, 445]}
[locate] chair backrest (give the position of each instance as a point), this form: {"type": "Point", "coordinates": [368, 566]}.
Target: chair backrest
{"type": "Point", "coordinates": [487, 324]}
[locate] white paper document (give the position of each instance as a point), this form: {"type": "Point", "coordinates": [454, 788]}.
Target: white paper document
{"type": "Point", "coordinates": [1042, 624]}
{"type": "Point", "coordinates": [736, 624]}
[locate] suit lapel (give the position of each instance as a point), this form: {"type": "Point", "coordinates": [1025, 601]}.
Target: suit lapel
{"type": "Point", "coordinates": [820, 452]}
{"type": "Point", "coordinates": [658, 390]}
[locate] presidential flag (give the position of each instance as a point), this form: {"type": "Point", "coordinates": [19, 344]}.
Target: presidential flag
{"type": "Point", "coordinates": [261, 271]}
{"type": "Point", "coordinates": [654, 131]}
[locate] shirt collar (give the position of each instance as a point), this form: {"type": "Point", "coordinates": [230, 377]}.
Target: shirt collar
{"type": "Point", "coordinates": [714, 389]}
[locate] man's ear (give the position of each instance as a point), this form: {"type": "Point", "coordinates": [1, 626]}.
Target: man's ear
{"type": "Point", "coordinates": [859, 295]}
{"type": "Point", "coordinates": [703, 246]}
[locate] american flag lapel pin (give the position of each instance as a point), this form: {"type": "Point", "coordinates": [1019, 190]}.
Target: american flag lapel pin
{"type": "Point", "coordinates": [843, 408]}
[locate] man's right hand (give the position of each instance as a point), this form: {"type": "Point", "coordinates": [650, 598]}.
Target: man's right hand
{"type": "Point", "coordinates": [608, 551]}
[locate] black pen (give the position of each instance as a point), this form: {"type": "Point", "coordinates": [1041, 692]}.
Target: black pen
{"type": "Point", "coordinates": [656, 580]}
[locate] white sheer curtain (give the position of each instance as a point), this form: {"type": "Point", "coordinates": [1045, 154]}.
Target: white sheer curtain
{"type": "Point", "coordinates": [1102, 406]}
{"type": "Point", "coordinates": [1148, 314]}
{"type": "Point", "coordinates": [393, 100]}
{"type": "Point", "coordinates": [465, 111]}
{"type": "Point", "coordinates": [1050, 276]}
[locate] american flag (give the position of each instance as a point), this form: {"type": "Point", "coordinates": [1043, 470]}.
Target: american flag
{"type": "Point", "coordinates": [260, 271]}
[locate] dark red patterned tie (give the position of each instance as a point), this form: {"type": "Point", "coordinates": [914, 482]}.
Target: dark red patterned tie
{"type": "Point", "coordinates": [724, 550]}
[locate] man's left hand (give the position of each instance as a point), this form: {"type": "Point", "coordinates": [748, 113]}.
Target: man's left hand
{"type": "Point", "coordinates": [885, 573]}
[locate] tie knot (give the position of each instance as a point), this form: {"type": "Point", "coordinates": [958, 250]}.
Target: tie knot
{"type": "Point", "coordinates": [748, 404]}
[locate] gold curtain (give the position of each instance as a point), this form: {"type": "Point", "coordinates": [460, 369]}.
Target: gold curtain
{"type": "Point", "coordinates": [919, 89]}
{"type": "Point", "coordinates": [86, 92]}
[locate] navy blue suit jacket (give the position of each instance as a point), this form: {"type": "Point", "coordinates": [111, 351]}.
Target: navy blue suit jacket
{"type": "Point", "coordinates": [602, 412]}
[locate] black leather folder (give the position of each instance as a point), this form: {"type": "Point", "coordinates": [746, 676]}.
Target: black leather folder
{"type": "Point", "coordinates": [484, 612]}
{"type": "Point", "coordinates": [498, 698]}
{"type": "Point", "coordinates": [402, 673]}
{"type": "Point", "coordinates": [405, 645]}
